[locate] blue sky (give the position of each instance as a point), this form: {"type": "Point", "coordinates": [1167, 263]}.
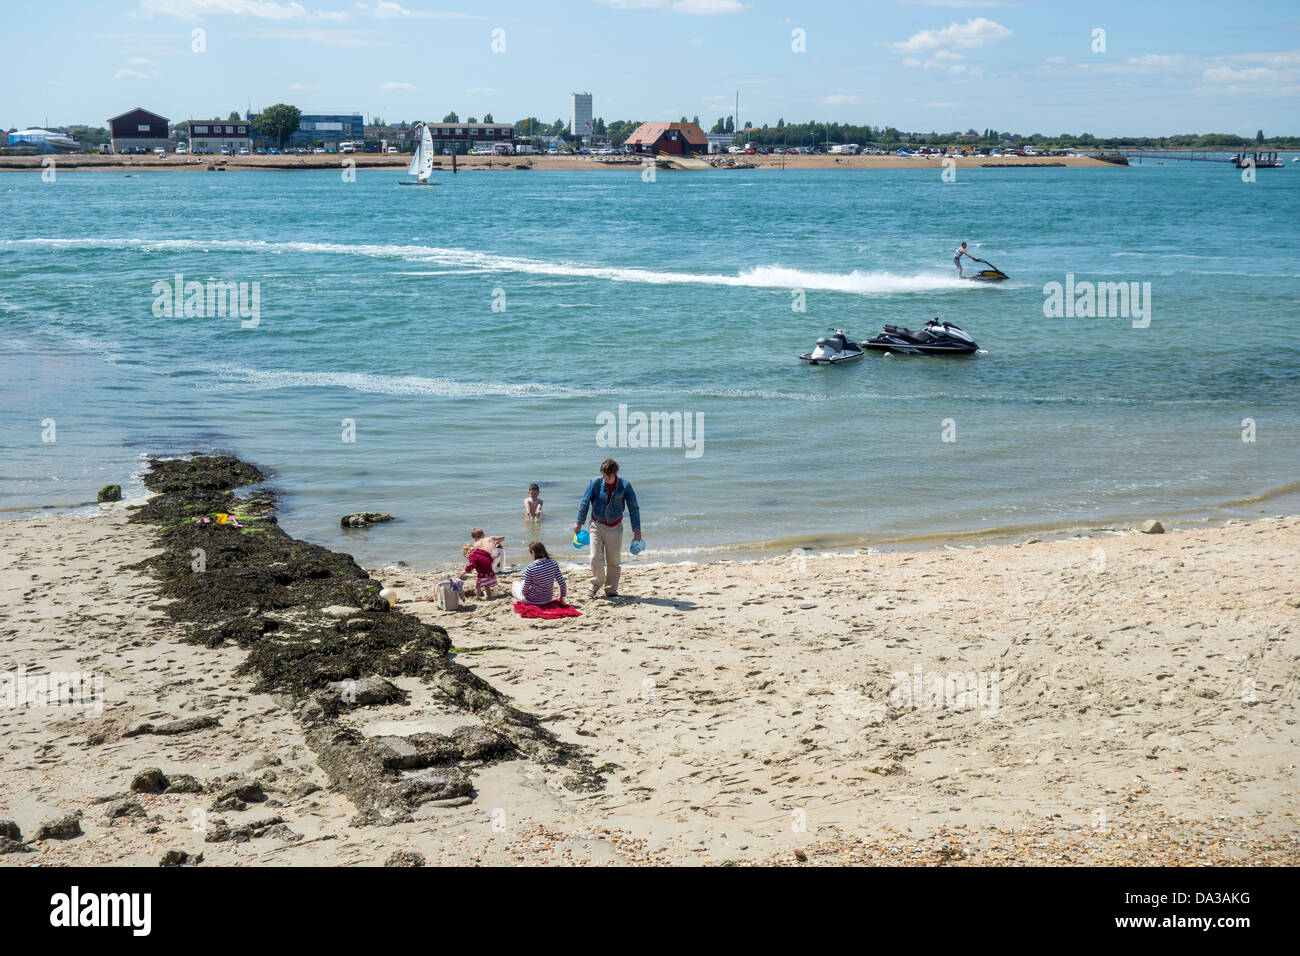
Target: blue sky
{"type": "Point", "coordinates": [1030, 66]}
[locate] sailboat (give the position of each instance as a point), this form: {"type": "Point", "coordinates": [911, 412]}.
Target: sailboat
{"type": "Point", "coordinates": [422, 162]}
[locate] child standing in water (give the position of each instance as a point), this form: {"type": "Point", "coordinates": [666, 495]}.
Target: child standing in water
{"type": "Point", "coordinates": [533, 504]}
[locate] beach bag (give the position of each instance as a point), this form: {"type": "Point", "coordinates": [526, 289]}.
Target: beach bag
{"type": "Point", "coordinates": [450, 592]}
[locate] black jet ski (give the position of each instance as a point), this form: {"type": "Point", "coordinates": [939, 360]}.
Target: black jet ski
{"type": "Point", "coordinates": [937, 338]}
{"type": "Point", "coordinates": [833, 349]}
{"type": "Point", "coordinates": [991, 274]}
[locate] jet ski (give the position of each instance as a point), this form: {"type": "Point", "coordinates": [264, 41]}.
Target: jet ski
{"type": "Point", "coordinates": [833, 349]}
{"type": "Point", "coordinates": [991, 274]}
{"type": "Point", "coordinates": [937, 338]}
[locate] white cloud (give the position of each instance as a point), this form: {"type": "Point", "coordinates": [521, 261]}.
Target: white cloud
{"type": "Point", "coordinates": [387, 10]}
{"type": "Point", "coordinates": [962, 36]}
{"type": "Point", "coordinates": [303, 87]}
{"type": "Point", "coordinates": [202, 9]}
{"type": "Point", "coordinates": [480, 90]}
{"type": "Point", "coordinates": [942, 106]}
{"type": "Point", "coordinates": [136, 75]}
{"type": "Point", "coordinates": [702, 8]}
{"type": "Point", "coordinates": [837, 99]}
{"type": "Point", "coordinates": [391, 87]}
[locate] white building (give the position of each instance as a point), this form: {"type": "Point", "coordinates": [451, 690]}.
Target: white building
{"type": "Point", "coordinates": [580, 115]}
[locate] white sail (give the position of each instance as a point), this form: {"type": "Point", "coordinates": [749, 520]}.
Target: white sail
{"type": "Point", "coordinates": [417, 160]}
{"type": "Point", "coordinates": [425, 155]}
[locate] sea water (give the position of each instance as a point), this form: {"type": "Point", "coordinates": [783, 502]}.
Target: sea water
{"type": "Point", "coordinates": [432, 352]}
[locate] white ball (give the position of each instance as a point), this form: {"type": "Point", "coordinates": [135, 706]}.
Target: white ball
{"type": "Point", "coordinates": [389, 595]}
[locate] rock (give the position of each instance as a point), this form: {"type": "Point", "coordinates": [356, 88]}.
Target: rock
{"type": "Point", "coordinates": [237, 795]}
{"type": "Point", "coordinates": [123, 809]}
{"type": "Point", "coordinates": [183, 783]}
{"type": "Point", "coordinates": [14, 846]}
{"type": "Point", "coordinates": [110, 493]}
{"type": "Point", "coordinates": [149, 781]}
{"type": "Point", "coordinates": [364, 519]}
{"type": "Point", "coordinates": [179, 858]}
{"type": "Point", "coordinates": [1151, 527]}
{"type": "Point", "coordinates": [451, 802]}
{"type": "Point", "coordinates": [61, 828]}
{"type": "Point", "coordinates": [480, 743]}
{"type": "Point", "coordinates": [305, 789]}
{"type": "Point", "coordinates": [135, 730]}
{"type": "Point", "coordinates": [361, 693]}
{"type": "Point", "coordinates": [9, 831]}
{"type": "Point", "coordinates": [340, 610]}
{"type": "Point", "coordinates": [281, 832]}
{"type": "Point", "coordinates": [185, 726]}
{"type": "Point", "coordinates": [405, 858]}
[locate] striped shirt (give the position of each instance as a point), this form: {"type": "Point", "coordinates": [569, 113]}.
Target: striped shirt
{"type": "Point", "coordinates": [540, 579]}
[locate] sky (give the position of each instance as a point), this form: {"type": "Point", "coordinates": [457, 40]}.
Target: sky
{"type": "Point", "coordinates": [1046, 66]}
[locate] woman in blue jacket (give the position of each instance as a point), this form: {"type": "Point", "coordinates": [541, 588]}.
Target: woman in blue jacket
{"type": "Point", "coordinates": [606, 498]}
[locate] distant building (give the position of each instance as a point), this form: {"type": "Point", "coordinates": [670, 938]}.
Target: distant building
{"type": "Point", "coordinates": [461, 137]}
{"type": "Point", "coordinates": [42, 141]}
{"type": "Point", "coordinates": [677, 139]}
{"type": "Point", "coordinates": [580, 116]}
{"type": "Point", "coordinates": [718, 142]}
{"type": "Point", "coordinates": [137, 129]}
{"type": "Point", "coordinates": [209, 136]}
{"type": "Point", "coordinates": [328, 128]}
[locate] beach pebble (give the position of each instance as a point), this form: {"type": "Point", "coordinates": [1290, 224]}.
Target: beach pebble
{"type": "Point", "coordinates": [1151, 527]}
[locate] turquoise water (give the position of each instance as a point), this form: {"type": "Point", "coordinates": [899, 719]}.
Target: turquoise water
{"type": "Point", "coordinates": [377, 306]}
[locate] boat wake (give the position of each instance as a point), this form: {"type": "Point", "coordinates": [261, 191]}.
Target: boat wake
{"type": "Point", "coordinates": [859, 282]}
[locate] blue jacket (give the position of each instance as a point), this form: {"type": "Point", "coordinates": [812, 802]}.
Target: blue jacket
{"type": "Point", "coordinates": [609, 509]}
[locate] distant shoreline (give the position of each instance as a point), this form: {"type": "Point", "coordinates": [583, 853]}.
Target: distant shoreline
{"type": "Point", "coordinates": [366, 161]}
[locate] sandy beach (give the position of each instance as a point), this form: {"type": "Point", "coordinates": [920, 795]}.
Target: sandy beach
{"type": "Point", "coordinates": [364, 161]}
{"type": "Point", "coordinates": [1125, 699]}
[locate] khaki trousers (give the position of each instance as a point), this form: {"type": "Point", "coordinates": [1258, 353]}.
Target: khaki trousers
{"type": "Point", "coordinates": [606, 548]}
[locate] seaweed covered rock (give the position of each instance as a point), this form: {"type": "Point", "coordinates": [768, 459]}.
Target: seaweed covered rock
{"type": "Point", "coordinates": [109, 493]}
{"type": "Point", "coordinates": [364, 519]}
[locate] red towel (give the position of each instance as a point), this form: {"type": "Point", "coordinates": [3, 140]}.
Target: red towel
{"type": "Point", "coordinates": [548, 610]}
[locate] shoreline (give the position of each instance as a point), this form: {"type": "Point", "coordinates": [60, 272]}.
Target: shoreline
{"type": "Point", "coordinates": [757, 551]}
{"type": "Point", "coordinates": [399, 162]}
{"type": "Point", "coordinates": [1140, 711]}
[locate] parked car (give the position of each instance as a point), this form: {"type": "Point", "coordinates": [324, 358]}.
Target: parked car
{"type": "Point", "coordinates": [225, 150]}
{"type": "Point", "coordinates": [272, 151]}
{"type": "Point", "coordinates": [243, 151]}
{"type": "Point", "coordinates": [181, 150]}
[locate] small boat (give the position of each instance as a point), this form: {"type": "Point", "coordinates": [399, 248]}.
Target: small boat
{"type": "Point", "coordinates": [833, 350]}
{"type": "Point", "coordinates": [937, 338]}
{"type": "Point", "coordinates": [422, 162]}
{"type": "Point", "coordinates": [991, 274]}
